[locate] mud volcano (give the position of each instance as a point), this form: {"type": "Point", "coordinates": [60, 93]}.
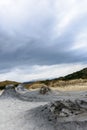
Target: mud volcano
{"type": "Point", "coordinates": [61, 115]}
{"type": "Point", "coordinates": [44, 90]}
{"type": "Point", "coordinates": [68, 108]}
{"type": "Point", "coordinates": [21, 89]}
{"type": "Point", "coordinates": [9, 92]}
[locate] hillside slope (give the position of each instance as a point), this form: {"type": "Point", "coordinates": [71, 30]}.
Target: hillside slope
{"type": "Point", "coordinates": [78, 77]}
{"type": "Point", "coordinates": [82, 74]}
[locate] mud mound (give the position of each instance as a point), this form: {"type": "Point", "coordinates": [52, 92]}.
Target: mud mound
{"type": "Point", "coordinates": [68, 108]}
{"type": "Point", "coordinates": [61, 115]}
{"type": "Point", "coordinates": [9, 92]}
{"type": "Point", "coordinates": [59, 109]}
{"type": "Point", "coordinates": [21, 89]}
{"type": "Point", "coordinates": [44, 90]}
{"type": "Point", "coordinates": [23, 94]}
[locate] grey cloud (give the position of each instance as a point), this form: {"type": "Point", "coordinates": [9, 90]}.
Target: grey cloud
{"type": "Point", "coordinates": [32, 43]}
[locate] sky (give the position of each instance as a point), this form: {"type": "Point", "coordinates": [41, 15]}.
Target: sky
{"type": "Point", "coordinates": [42, 39]}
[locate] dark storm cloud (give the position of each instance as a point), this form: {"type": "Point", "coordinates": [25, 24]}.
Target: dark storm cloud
{"type": "Point", "coordinates": [42, 38]}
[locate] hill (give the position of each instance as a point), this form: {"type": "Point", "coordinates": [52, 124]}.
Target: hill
{"type": "Point", "coordinates": [78, 77]}
{"type": "Point", "coordinates": [82, 74]}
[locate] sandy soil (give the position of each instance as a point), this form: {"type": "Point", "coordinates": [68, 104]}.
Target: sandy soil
{"type": "Point", "coordinates": [30, 110]}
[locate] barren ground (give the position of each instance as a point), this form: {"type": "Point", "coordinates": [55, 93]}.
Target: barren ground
{"type": "Point", "coordinates": [16, 114]}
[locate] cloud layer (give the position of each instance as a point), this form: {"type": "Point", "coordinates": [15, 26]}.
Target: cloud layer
{"type": "Point", "coordinates": [43, 33]}
{"type": "Point", "coordinates": [38, 72]}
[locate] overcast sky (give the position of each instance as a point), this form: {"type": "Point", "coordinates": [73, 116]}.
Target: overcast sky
{"type": "Point", "coordinates": [42, 38]}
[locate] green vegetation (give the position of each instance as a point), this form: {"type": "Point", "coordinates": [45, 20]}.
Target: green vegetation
{"type": "Point", "coordinates": [77, 75]}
